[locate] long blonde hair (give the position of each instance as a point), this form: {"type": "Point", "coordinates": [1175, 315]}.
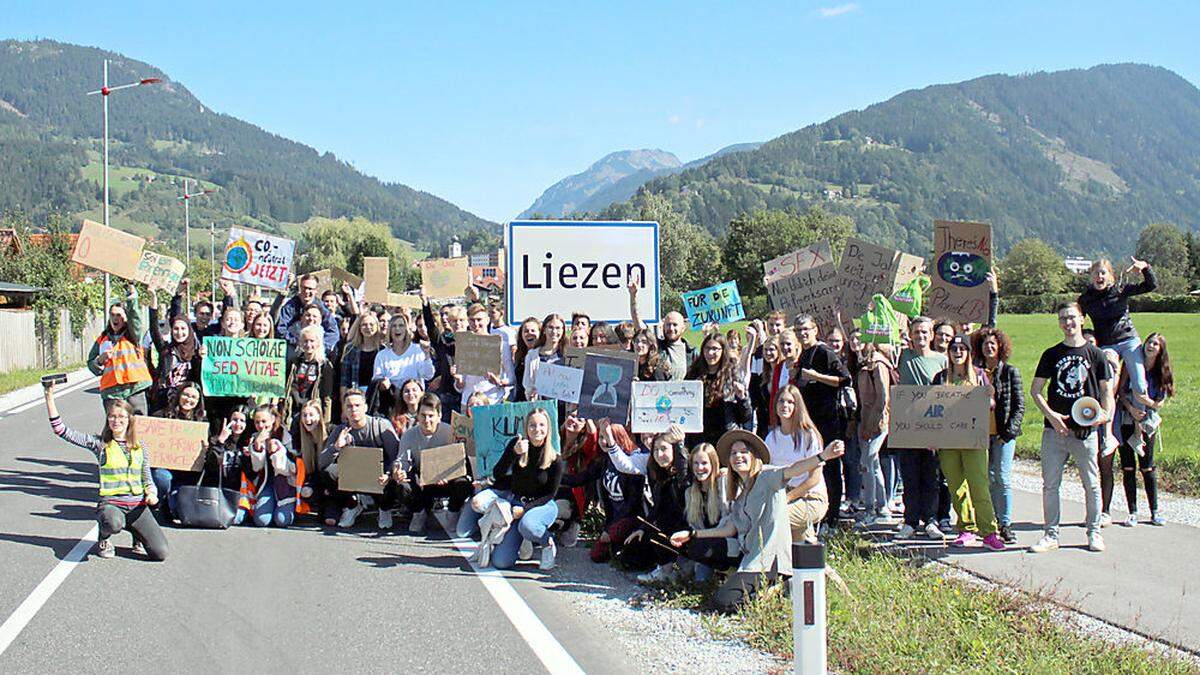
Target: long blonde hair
{"type": "Point", "coordinates": [312, 442]}
{"type": "Point", "coordinates": [549, 452]}
{"type": "Point", "coordinates": [734, 486]}
{"type": "Point", "coordinates": [703, 501]}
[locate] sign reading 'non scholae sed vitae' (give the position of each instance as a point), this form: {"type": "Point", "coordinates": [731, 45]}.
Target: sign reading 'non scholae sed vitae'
{"type": "Point", "coordinates": [581, 266]}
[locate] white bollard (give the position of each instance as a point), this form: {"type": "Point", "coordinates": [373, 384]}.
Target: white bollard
{"type": "Point", "coordinates": [808, 609]}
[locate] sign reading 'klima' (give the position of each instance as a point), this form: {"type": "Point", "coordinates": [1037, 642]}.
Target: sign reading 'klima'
{"type": "Point", "coordinates": [581, 266]}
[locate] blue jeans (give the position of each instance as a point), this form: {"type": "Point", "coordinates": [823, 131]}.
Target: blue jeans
{"type": "Point", "coordinates": [468, 519]}
{"type": "Point", "coordinates": [874, 487]}
{"type": "Point", "coordinates": [533, 525]}
{"type": "Point", "coordinates": [891, 475]}
{"type": "Point", "coordinates": [268, 510]}
{"type": "Point", "coordinates": [165, 481]}
{"type": "Point", "coordinates": [852, 461]}
{"type": "Point", "coordinates": [1000, 464]}
{"type": "Point", "coordinates": [1135, 362]}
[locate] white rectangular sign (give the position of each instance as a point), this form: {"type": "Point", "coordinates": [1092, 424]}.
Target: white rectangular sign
{"type": "Point", "coordinates": [658, 405]}
{"type": "Point", "coordinates": [560, 382]}
{"type": "Point", "coordinates": [581, 266]}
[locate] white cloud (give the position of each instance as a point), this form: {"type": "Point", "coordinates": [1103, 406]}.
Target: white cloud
{"type": "Point", "coordinates": [673, 120]}
{"type": "Point", "coordinates": [830, 12]}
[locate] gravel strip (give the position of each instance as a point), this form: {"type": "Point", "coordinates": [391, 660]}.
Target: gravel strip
{"type": "Point", "coordinates": [659, 639]}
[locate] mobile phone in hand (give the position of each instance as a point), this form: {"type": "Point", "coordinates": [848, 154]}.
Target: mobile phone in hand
{"type": "Point", "coordinates": [56, 378]}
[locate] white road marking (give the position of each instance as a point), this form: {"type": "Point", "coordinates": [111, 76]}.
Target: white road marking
{"type": "Point", "coordinates": [16, 623]}
{"type": "Point", "coordinates": [548, 649]}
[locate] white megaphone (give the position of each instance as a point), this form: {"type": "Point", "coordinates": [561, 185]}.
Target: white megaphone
{"type": "Point", "coordinates": [1086, 411]}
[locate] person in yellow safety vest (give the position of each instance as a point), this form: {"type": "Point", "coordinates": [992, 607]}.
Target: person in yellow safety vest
{"type": "Point", "coordinates": [126, 490]}
{"type": "Point", "coordinates": [119, 358]}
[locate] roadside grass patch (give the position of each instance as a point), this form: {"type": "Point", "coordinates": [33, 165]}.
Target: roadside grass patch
{"type": "Point", "coordinates": [16, 379]}
{"type": "Point", "coordinates": [903, 617]}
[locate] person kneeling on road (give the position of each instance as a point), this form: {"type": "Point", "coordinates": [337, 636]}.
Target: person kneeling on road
{"type": "Point", "coordinates": [126, 489]}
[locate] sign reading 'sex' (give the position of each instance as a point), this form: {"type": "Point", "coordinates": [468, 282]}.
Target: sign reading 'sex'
{"type": "Point", "coordinates": [581, 266]}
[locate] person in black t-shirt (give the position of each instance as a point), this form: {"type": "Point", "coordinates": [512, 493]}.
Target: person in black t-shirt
{"type": "Point", "coordinates": [1071, 370]}
{"type": "Point", "coordinates": [819, 373]}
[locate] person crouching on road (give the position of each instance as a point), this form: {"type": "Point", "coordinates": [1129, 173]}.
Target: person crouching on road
{"type": "Point", "coordinates": [526, 478]}
{"type": "Point", "coordinates": [126, 490]}
{"type": "Point", "coordinates": [428, 432]}
{"type": "Point", "coordinates": [270, 474]}
{"type": "Point", "coordinates": [364, 431]}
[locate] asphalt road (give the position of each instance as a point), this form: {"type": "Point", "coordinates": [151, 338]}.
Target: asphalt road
{"type": "Point", "coordinates": [304, 599]}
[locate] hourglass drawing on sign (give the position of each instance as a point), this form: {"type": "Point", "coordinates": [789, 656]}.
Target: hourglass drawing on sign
{"type": "Point", "coordinates": [605, 395]}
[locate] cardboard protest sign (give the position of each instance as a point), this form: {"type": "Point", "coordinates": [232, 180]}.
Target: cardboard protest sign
{"type": "Point", "coordinates": [376, 272]}
{"type": "Point", "coordinates": [658, 405]}
{"type": "Point", "coordinates": [716, 304]}
{"type": "Point", "coordinates": [558, 382]}
{"type": "Point", "coordinates": [173, 444]}
{"type": "Point", "coordinates": [462, 430]}
{"type": "Point", "coordinates": [807, 290]}
{"type": "Point", "coordinates": [939, 416]}
{"type": "Point", "coordinates": [476, 354]}
{"type": "Point", "coordinates": [258, 258]}
{"type": "Point", "coordinates": [243, 367]}
{"type": "Point", "coordinates": [573, 357]}
{"type": "Point", "coordinates": [443, 463]}
{"type": "Point", "coordinates": [403, 300]}
{"type": "Point", "coordinates": [445, 277]}
{"type": "Point", "coordinates": [607, 383]}
{"type": "Point", "coordinates": [359, 469]}
{"type": "Point", "coordinates": [797, 261]}
{"type": "Point", "coordinates": [159, 271]}
{"type": "Point", "coordinates": [332, 278]}
{"type": "Point", "coordinates": [867, 269]}
{"type": "Point", "coordinates": [584, 265]}
{"type": "Point", "coordinates": [496, 425]}
{"type": "Point", "coordinates": [962, 258]}
{"type": "Point", "coordinates": [108, 249]}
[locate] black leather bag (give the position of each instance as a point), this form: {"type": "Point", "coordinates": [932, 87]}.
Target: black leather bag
{"type": "Point", "coordinates": [211, 508]}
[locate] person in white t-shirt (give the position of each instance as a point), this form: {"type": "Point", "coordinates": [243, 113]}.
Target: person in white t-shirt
{"type": "Point", "coordinates": [495, 386]}
{"type": "Point", "coordinates": [401, 360]}
{"type": "Point", "coordinates": [793, 439]}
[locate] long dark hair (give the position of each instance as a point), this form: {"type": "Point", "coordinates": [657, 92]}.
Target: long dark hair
{"type": "Point", "coordinates": [648, 369]}
{"type": "Point", "coordinates": [715, 381]}
{"type": "Point", "coordinates": [173, 411]}
{"type": "Point", "coordinates": [562, 338]}
{"type": "Point", "coordinates": [522, 350]}
{"type": "Point", "coordinates": [1161, 371]}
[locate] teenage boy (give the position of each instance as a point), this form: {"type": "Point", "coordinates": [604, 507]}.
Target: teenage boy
{"type": "Point", "coordinates": [818, 374]}
{"type": "Point", "coordinates": [495, 386]}
{"type": "Point", "coordinates": [1073, 369]}
{"type": "Point", "coordinates": [363, 431]}
{"type": "Point", "coordinates": [429, 432]}
{"type": "Point", "coordinates": [919, 466]}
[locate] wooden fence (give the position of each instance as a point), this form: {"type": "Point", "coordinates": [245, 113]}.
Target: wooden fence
{"type": "Point", "coordinates": [26, 344]}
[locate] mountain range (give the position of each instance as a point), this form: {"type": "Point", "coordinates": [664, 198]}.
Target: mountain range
{"type": "Point", "coordinates": [614, 178]}
{"type": "Point", "coordinates": [1082, 159]}
{"type": "Point", "coordinates": [50, 157]}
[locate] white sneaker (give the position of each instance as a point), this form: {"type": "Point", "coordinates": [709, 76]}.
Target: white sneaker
{"type": "Point", "coordinates": [526, 550]}
{"type": "Point", "coordinates": [1132, 521]}
{"type": "Point", "coordinates": [1044, 545]}
{"type": "Point", "coordinates": [104, 549]}
{"type": "Point", "coordinates": [350, 515]}
{"type": "Point", "coordinates": [1105, 520]}
{"type": "Point", "coordinates": [906, 531]}
{"type": "Point", "coordinates": [659, 574]}
{"type": "Point", "coordinates": [417, 524]}
{"type": "Point", "coordinates": [139, 548]}
{"type": "Point", "coordinates": [1096, 543]}
{"type": "Point", "coordinates": [570, 536]}
{"type": "Point", "coordinates": [385, 519]}
{"type": "Point", "coordinates": [549, 551]}
{"type": "Point", "coordinates": [933, 532]}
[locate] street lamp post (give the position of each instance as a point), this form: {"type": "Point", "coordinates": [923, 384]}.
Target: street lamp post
{"type": "Point", "coordinates": [212, 258]}
{"type": "Point", "coordinates": [187, 226]}
{"type": "Point", "coordinates": [104, 92]}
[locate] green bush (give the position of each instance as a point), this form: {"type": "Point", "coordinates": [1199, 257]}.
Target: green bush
{"type": "Point", "coordinates": [1046, 303]}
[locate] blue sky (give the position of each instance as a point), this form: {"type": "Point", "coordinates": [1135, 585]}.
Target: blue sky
{"type": "Point", "coordinates": [487, 104]}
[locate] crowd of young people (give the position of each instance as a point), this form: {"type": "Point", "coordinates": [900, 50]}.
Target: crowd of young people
{"type": "Point", "coordinates": [794, 440]}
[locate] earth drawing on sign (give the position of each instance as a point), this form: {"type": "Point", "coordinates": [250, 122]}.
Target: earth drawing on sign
{"type": "Point", "coordinates": [963, 269]}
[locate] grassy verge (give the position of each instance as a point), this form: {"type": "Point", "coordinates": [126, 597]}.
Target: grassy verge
{"type": "Point", "coordinates": [901, 618]}
{"type": "Point", "coordinates": [23, 378]}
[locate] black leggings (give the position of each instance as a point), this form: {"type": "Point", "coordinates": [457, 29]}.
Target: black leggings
{"type": "Point", "coordinates": [1145, 464]}
{"type": "Point", "coordinates": [139, 521]}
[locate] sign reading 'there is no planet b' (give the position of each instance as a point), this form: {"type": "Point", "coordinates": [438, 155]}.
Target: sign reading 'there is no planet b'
{"type": "Point", "coordinates": [581, 266]}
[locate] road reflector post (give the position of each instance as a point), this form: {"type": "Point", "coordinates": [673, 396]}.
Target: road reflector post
{"type": "Point", "coordinates": [808, 609]}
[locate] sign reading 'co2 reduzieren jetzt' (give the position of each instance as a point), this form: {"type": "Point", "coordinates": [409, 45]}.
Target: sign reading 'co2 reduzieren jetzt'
{"type": "Point", "coordinates": [581, 266]}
